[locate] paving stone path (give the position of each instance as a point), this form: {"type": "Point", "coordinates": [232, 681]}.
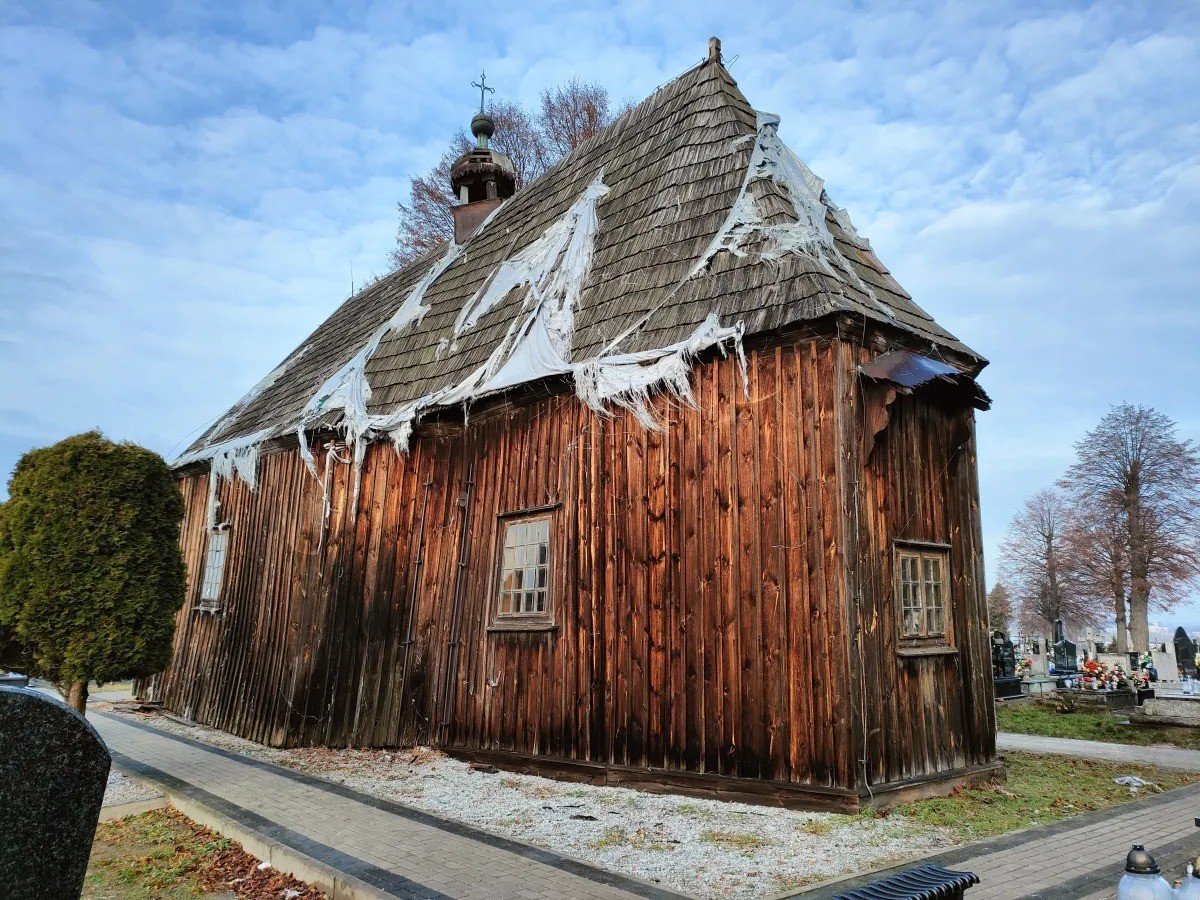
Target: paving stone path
{"type": "Point", "coordinates": [1163, 757]}
{"type": "Point", "coordinates": [1082, 857]}
{"type": "Point", "coordinates": [387, 849]}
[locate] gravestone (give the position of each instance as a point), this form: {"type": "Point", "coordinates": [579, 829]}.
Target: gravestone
{"type": "Point", "coordinates": [53, 771]}
{"type": "Point", "coordinates": [1066, 654]}
{"type": "Point", "coordinates": [1037, 656]}
{"type": "Point", "coordinates": [1004, 666]}
{"type": "Point", "coordinates": [1039, 680]}
{"type": "Point", "coordinates": [1166, 663]}
{"type": "Point", "coordinates": [1185, 652]}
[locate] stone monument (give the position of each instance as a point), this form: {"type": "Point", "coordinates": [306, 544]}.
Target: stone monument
{"type": "Point", "coordinates": [1038, 680]}
{"type": "Point", "coordinates": [1004, 667]}
{"type": "Point", "coordinates": [53, 771]}
{"type": "Point", "coordinates": [1066, 654]}
{"type": "Point", "coordinates": [1165, 662]}
{"type": "Point", "coordinates": [1185, 652]}
{"type": "Point", "coordinates": [1169, 709]}
{"type": "Point", "coordinates": [1040, 666]}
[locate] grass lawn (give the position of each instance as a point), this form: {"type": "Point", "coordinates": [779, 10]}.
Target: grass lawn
{"type": "Point", "coordinates": [1089, 725]}
{"type": "Point", "coordinates": [1039, 789]}
{"type": "Point", "coordinates": [164, 854]}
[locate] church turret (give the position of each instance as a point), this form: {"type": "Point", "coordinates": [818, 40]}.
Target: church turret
{"type": "Point", "coordinates": [482, 178]}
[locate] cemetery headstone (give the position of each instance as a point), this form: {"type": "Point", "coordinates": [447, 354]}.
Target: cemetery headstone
{"type": "Point", "coordinates": [1039, 681]}
{"type": "Point", "coordinates": [1166, 663]}
{"type": "Point", "coordinates": [1004, 666]}
{"type": "Point", "coordinates": [1185, 652]}
{"type": "Point", "coordinates": [1004, 657]}
{"type": "Point", "coordinates": [53, 771]}
{"type": "Point", "coordinates": [1066, 654]}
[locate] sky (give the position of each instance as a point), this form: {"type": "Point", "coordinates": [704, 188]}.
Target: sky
{"type": "Point", "coordinates": [187, 190]}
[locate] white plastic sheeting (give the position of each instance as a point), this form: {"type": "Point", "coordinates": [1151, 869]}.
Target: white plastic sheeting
{"type": "Point", "coordinates": [348, 390]}
{"type": "Point", "coordinates": [808, 235]}
{"type": "Point", "coordinates": [628, 380]}
{"type": "Point", "coordinates": [255, 392]}
{"type": "Point", "coordinates": [555, 268]}
{"type": "Point", "coordinates": [237, 457]}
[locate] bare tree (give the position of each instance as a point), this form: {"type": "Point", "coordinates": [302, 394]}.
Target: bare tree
{"type": "Point", "coordinates": [1134, 466]}
{"type": "Point", "coordinates": [999, 607]}
{"type": "Point", "coordinates": [568, 115]}
{"type": "Point", "coordinates": [571, 113]}
{"type": "Point", "coordinates": [1098, 563]}
{"type": "Point", "coordinates": [425, 220]}
{"type": "Point", "coordinates": [1033, 561]}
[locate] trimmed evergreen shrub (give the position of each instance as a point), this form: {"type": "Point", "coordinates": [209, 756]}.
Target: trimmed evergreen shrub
{"type": "Point", "coordinates": [91, 573]}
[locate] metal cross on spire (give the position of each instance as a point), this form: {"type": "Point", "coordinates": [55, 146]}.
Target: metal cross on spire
{"type": "Point", "coordinates": [483, 88]}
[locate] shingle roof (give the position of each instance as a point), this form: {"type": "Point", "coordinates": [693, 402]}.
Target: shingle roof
{"type": "Point", "coordinates": [674, 167]}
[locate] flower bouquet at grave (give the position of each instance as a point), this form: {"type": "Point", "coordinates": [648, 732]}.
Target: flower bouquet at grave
{"type": "Point", "coordinates": [1146, 660]}
{"type": "Point", "coordinates": [1115, 677]}
{"type": "Point", "coordinates": [1093, 674]}
{"type": "Point", "coordinates": [1024, 666]}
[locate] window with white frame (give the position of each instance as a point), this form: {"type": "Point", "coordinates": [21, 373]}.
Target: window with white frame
{"type": "Point", "coordinates": [214, 568]}
{"type": "Point", "coordinates": [921, 585]}
{"type": "Point", "coordinates": [524, 583]}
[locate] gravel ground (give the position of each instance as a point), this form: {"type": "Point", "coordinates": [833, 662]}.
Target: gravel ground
{"type": "Point", "coordinates": [707, 848]}
{"type": "Point", "coordinates": [123, 789]}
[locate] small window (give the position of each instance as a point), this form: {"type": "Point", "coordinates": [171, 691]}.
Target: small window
{"type": "Point", "coordinates": [214, 568]}
{"type": "Point", "coordinates": [524, 585]}
{"type": "Point", "coordinates": [922, 589]}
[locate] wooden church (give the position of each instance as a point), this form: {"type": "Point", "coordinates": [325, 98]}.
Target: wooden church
{"type": "Point", "coordinates": [654, 476]}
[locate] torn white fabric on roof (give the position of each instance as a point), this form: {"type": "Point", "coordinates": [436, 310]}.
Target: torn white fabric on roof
{"type": "Point", "coordinates": [554, 266]}
{"type": "Point", "coordinates": [629, 379]}
{"type": "Point", "coordinates": [235, 458]}
{"type": "Point", "coordinates": [255, 392]}
{"type": "Point", "coordinates": [808, 235]}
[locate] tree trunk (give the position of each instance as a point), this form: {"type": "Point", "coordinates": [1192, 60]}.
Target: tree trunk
{"type": "Point", "coordinates": [1139, 581]}
{"type": "Point", "coordinates": [77, 693]}
{"type": "Point", "coordinates": [1119, 621]}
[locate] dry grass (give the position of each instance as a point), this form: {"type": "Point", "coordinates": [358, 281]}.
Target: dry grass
{"type": "Point", "coordinates": [734, 839]}
{"type": "Point", "coordinates": [1039, 789]}
{"type": "Point", "coordinates": [639, 839]}
{"type": "Point", "coordinates": [164, 854]}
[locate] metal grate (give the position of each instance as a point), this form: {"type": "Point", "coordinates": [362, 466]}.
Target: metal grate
{"type": "Point", "coordinates": [921, 883]}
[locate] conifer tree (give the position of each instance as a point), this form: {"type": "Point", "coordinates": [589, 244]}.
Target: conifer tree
{"type": "Point", "coordinates": [91, 573]}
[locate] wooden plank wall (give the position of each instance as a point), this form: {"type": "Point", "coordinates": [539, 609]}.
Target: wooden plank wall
{"type": "Point", "coordinates": [920, 483]}
{"type": "Point", "coordinates": [699, 584]}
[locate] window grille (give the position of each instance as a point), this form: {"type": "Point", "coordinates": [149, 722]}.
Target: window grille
{"type": "Point", "coordinates": [214, 568]}
{"type": "Point", "coordinates": [525, 568]}
{"type": "Point", "coordinates": [922, 589]}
